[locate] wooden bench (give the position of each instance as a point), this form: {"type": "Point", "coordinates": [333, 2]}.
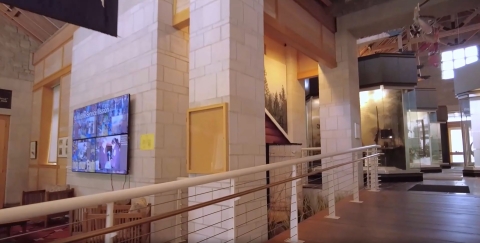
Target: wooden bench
{"type": "Point", "coordinates": [39, 196]}
{"type": "Point", "coordinates": [58, 195]}
{"type": "Point", "coordinates": [8, 226]}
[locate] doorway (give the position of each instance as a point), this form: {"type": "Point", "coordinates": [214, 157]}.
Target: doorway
{"type": "Point", "coordinates": [4, 132]}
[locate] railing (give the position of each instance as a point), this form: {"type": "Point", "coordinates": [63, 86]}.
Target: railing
{"type": "Point", "coordinates": [232, 206]}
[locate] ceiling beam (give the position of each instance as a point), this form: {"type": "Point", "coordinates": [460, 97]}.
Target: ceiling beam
{"type": "Point", "coordinates": [319, 13]}
{"type": "Point", "coordinates": [10, 15]}
{"type": "Point", "coordinates": [466, 29]}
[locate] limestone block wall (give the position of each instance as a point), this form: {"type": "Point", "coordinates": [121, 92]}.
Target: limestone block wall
{"type": "Point", "coordinates": [149, 61]}
{"type": "Point", "coordinates": [104, 67]}
{"type": "Point", "coordinates": [16, 74]}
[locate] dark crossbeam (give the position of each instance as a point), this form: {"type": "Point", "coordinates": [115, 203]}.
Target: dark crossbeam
{"type": "Point", "coordinates": [89, 14]}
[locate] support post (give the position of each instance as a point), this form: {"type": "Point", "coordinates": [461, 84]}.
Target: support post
{"type": "Point", "coordinates": [374, 174]}
{"type": "Point", "coordinates": [367, 163]}
{"type": "Point", "coordinates": [356, 196]}
{"type": "Point", "coordinates": [331, 193]}
{"type": "Point", "coordinates": [109, 222]}
{"type": "Point", "coordinates": [294, 210]}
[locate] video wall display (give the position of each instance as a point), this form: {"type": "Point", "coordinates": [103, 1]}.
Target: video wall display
{"type": "Point", "coordinates": [100, 137]}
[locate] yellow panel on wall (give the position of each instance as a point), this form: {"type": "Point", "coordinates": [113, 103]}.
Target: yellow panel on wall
{"type": "Point", "coordinates": [53, 62]}
{"type": "Point", "coordinates": [207, 139]}
{"type": "Point", "coordinates": [39, 72]}
{"type": "Point", "coordinates": [67, 53]}
{"type": "Point", "coordinates": [147, 141]}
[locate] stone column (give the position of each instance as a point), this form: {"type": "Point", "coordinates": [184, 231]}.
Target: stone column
{"type": "Point", "coordinates": [295, 100]}
{"type": "Point", "coordinates": [226, 65]}
{"type": "Point", "coordinates": [340, 104]}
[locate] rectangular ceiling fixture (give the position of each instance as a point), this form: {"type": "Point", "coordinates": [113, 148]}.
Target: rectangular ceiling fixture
{"type": "Point", "coordinates": [98, 15]}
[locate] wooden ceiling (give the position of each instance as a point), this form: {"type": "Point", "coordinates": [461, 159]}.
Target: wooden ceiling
{"type": "Point", "coordinates": [38, 27]}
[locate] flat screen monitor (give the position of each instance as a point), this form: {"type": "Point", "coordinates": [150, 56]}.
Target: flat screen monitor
{"type": "Point", "coordinates": [112, 116]}
{"type": "Point", "coordinates": [84, 122]}
{"type": "Point", "coordinates": [100, 137]}
{"type": "Point", "coordinates": [111, 154]}
{"type": "Point", "coordinates": [83, 155]}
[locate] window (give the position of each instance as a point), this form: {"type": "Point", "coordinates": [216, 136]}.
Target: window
{"type": "Point", "coordinates": [52, 150]}
{"type": "Point", "coordinates": [452, 60]}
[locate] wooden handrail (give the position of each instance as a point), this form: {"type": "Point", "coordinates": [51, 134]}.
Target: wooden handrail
{"type": "Point", "coordinates": [197, 206]}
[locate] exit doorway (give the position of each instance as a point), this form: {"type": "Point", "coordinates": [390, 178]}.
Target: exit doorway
{"type": "Point", "coordinates": [4, 132]}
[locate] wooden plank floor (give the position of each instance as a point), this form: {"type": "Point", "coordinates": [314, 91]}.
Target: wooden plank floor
{"type": "Point", "coordinates": [396, 216]}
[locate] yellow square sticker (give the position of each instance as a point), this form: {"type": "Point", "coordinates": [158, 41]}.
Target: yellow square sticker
{"type": "Point", "coordinates": [147, 141]}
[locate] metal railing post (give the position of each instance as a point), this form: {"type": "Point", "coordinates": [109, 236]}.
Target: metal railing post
{"type": "Point", "coordinates": [367, 163]}
{"type": "Point", "coordinates": [109, 222]}
{"type": "Point", "coordinates": [356, 196]}
{"type": "Point", "coordinates": [331, 193]}
{"type": "Point", "coordinates": [374, 172]}
{"type": "Point", "coordinates": [294, 210]}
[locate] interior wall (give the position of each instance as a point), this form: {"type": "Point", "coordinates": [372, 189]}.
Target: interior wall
{"type": "Point", "coordinates": [105, 67]}
{"type": "Point", "coordinates": [284, 93]}
{"type": "Point", "coordinates": [16, 74]}
{"type": "Point", "coordinates": [276, 81]}
{"type": "Point", "coordinates": [50, 70]}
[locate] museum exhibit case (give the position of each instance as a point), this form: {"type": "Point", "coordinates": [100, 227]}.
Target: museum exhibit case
{"type": "Point", "coordinates": [422, 133]}
{"type": "Point", "coordinates": [312, 112]}
{"type": "Point", "coordinates": [313, 122]}
{"type": "Point", "coordinates": [467, 90]}
{"type": "Point", "coordinates": [470, 121]}
{"type": "Point", "coordinates": [381, 114]}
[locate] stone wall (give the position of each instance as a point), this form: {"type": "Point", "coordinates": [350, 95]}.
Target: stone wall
{"type": "Point", "coordinates": [149, 61]}
{"type": "Point", "coordinates": [16, 74]}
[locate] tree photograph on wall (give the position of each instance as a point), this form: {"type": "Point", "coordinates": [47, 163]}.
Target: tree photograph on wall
{"type": "Point", "coordinates": [276, 102]}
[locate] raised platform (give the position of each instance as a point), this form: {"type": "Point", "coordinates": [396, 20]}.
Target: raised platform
{"type": "Point", "coordinates": [392, 174]}
{"type": "Point", "coordinates": [471, 172]}
{"type": "Point", "coordinates": [445, 165]}
{"type": "Point", "coordinates": [427, 168]}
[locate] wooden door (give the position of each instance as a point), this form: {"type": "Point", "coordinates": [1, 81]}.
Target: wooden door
{"type": "Point", "coordinates": [4, 131]}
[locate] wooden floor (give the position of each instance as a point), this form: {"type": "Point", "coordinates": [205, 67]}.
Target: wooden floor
{"type": "Point", "coordinates": [396, 216]}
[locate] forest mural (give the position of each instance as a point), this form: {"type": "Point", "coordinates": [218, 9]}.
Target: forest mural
{"type": "Point", "coordinates": [275, 93]}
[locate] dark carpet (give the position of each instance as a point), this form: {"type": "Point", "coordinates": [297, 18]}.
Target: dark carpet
{"type": "Point", "coordinates": [35, 233]}
{"type": "Point", "coordinates": [440, 188]}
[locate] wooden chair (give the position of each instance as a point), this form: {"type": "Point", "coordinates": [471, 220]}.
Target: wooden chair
{"type": "Point", "coordinates": [58, 195]}
{"type": "Point", "coordinates": [137, 234]}
{"type": "Point", "coordinates": [77, 216]}
{"type": "Point", "coordinates": [32, 197]}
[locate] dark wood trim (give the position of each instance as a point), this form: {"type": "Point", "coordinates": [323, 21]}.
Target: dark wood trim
{"type": "Point", "coordinates": [377, 55]}
{"type": "Point", "coordinates": [471, 173]}
{"type": "Point", "coordinates": [445, 143]}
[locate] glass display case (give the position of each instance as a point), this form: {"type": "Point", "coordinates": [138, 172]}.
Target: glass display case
{"type": "Point", "coordinates": [435, 143]}
{"type": "Point", "coordinates": [423, 138]}
{"type": "Point", "coordinates": [470, 122]}
{"type": "Point", "coordinates": [313, 123]}
{"type": "Point", "coordinates": [382, 123]}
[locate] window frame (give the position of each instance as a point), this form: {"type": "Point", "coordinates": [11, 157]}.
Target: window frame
{"type": "Point", "coordinates": [456, 58]}
{"type": "Point", "coordinates": [54, 118]}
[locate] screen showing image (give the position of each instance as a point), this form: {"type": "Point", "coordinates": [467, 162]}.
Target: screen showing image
{"type": "Point", "coordinates": [84, 121]}
{"type": "Point", "coordinates": [112, 116]}
{"type": "Point", "coordinates": [111, 154]}
{"type": "Point", "coordinates": [100, 137]}
{"type": "Point", "coordinates": [83, 155]}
